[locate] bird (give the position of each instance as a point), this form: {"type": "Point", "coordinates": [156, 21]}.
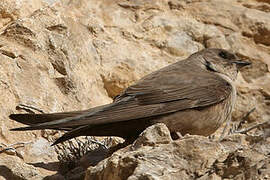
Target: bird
{"type": "Point", "coordinates": [191, 96]}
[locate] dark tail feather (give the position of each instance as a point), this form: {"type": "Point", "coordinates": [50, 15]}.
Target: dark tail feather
{"type": "Point", "coordinates": [27, 128]}
{"type": "Point", "coordinates": [60, 121]}
{"type": "Point", "coordinates": [126, 129]}
{"type": "Point", "coordinates": [81, 131]}
{"type": "Point", "coordinates": [30, 119]}
{"type": "Point", "coordinates": [34, 119]}
{"type": "Point", "coordinates": [27, 118]}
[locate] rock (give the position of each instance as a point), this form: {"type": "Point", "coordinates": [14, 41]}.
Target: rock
{"type": "Point", "coordinates": [153, 135]}
{"type": "Point", "coordinates": [193, 157]}
{"type": "Point", "coordinates": [15, 168]}
{"type": "Point", "coordinates": [180, 42]}
{"type": "Point", "coordinates": [218, 42]}
{"type": "Point", "coordinates": [261, 7]}
{"type": "Point", "coordinates": [14, 9]}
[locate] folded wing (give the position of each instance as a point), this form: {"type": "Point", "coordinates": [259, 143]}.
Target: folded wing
{"type": "Point", "coordinates": [165, 91]}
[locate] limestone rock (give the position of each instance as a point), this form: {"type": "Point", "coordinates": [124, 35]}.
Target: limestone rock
{"type": "Point", "coordinates": [193, 157]}
{"type": "Point", "coordinates": [15, 168]}
{"type": "Point", "coordinates": [11, 10]}
{"type": "Point", "coordinates": [153, 135]}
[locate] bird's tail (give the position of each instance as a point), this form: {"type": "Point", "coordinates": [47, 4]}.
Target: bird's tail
{"type": "Point", "coordinates": [30, 119]}
{"type": "Point", "coordinates": [80, 131]}
{"type": "Point", "coordinates": [60, 121]}
{"type": "Point", "coordinates": [33, 119]}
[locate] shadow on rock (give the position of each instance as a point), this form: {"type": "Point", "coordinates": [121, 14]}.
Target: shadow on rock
{"type": "Point", "coordinates": [7, 173]}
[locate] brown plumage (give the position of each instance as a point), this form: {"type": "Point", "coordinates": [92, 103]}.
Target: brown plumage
{"type": "Point", "coordinates": [194, 96]}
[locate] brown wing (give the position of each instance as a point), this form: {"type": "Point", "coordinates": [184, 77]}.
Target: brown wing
{"type": "Point", "coordinates": [180, 83]}
{"type": "Point", "coordinates": [31, 119]}
{"type": "Point", "coordinates": [170, 89]}
{"type": "Point", "coordinates": [199, 91]}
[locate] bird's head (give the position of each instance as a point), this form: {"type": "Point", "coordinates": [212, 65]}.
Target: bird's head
{"type": "Point", "coordinates": [222, 61]}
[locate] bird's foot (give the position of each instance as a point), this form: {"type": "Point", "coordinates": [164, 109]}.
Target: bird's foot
{"type": "Point", "coordinates": [235, 128]}
{"type": "Point", "coordinates": [264, 126]}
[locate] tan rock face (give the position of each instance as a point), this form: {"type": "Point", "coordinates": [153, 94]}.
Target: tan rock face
{"type": "Point", "coordinates": [193, 157]}
{"type": "Point", "coordinates": [15, 168]}
{"type": "Point", "coordinates": [72, 55]}
{"type": "Point", "coordinates": [14, 9]}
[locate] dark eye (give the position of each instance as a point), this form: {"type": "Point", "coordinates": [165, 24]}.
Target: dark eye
{"type": "Point", "coordinates": [223, 55]}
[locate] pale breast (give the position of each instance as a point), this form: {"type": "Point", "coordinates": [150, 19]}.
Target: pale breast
{"type": "Point", "coordinates": [201, 121]}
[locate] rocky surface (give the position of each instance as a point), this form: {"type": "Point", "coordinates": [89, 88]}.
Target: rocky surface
{"type": "Point", "coordinates": [192, 157]}
{"type": "Point", "coordinates": [66, 55]}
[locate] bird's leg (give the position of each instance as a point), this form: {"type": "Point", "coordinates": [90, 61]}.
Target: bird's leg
{"type": "Point", "coordinates": [224, 130]}
{"type": "Point", "coordinates": [235, 129]}
{"type": "Point", "coordinates": [238, 128]}
{"type": "Point", "coordinates": [243, 120]}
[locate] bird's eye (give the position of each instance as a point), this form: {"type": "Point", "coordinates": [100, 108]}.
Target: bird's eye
{"type": "Point", "coordinates": [223, 55]}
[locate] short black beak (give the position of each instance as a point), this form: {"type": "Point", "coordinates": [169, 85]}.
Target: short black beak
{"type": "Point", "coordinates": [240, 63]}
